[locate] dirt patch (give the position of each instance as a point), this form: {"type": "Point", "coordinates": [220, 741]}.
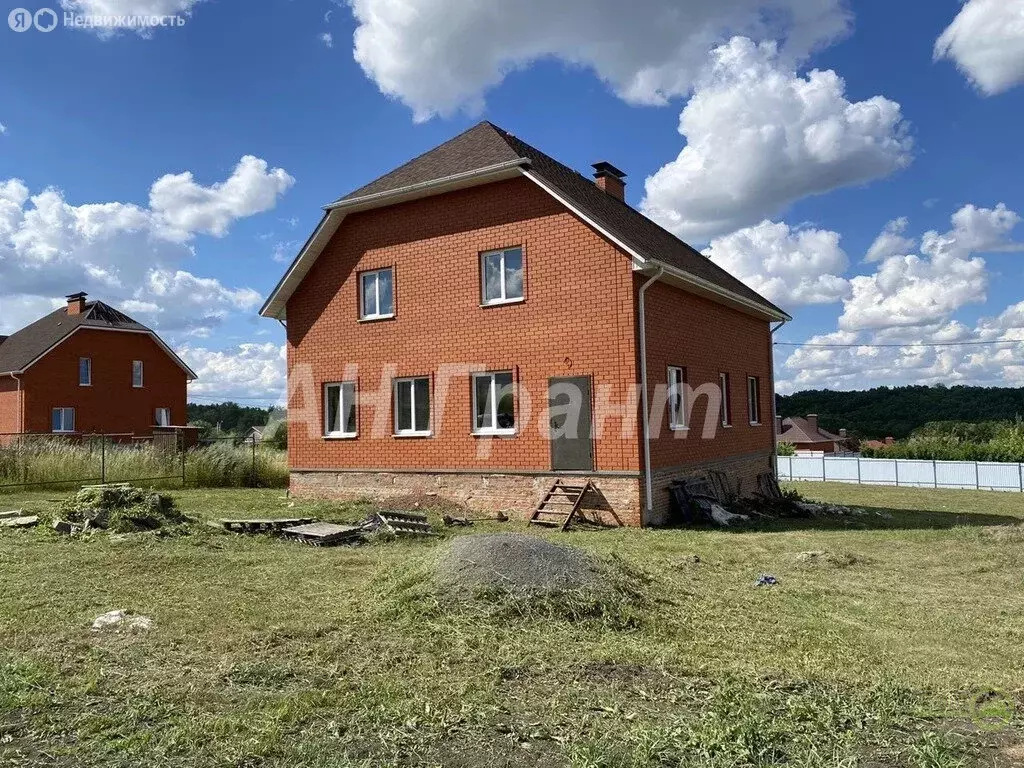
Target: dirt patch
{"type": "Point", "coordinates": [422, 502]}
{"type": "Point", "coordinates": [822, 559]}
{"type": "Point", "coordinates": [514, 562]}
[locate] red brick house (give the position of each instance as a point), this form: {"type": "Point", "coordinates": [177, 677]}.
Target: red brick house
{"type": "Point", "coordinates": [804, 434]}
{"type": "Point", "coordinates": [484, 319]}
{"type": "Point", "coordinates": [88, 368]}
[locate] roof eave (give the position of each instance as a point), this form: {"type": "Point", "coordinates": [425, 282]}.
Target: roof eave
{"type": "Point", "coordinates": [276, 305]}
{"type": "Point", "coordinates": [705, 286]}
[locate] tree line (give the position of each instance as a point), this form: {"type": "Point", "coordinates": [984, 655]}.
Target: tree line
{"type": "Point", "coordinates": [898, 411]}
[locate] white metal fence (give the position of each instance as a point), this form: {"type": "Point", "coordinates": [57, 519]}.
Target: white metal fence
{"type": "Point", "coordinates": [913, 473]}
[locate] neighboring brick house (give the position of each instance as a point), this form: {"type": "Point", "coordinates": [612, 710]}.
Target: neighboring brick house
{"type": "Point", "coordinates": [805, 434]}
{"type": "Point", "coordinates": [88, 368]}
{"type": "Point", "coordinates": [436, 315]}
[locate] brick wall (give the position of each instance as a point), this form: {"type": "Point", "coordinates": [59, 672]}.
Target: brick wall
{"type": "Point", "coordinates": [576, 320]}
{"type": "Point", "coordinates": [616, 502]}
{"type": "Point", "coordinates": [707, 338]}
{"type": "Point", "coordinates": [10, 406]}
{"type": "Point", "coordinates": [111, 404]}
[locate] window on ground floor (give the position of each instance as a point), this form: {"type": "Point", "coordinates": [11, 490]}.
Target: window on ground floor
{"type": "Point", "coordinates": [163, 417]}
{"type": "Point", "coordinates": [412, 406]}
{"type": "Point", "coordinates": [723, 382]}
{"type": "Point", "coordinates": [754, 399]}
{"type": "Point", "coordinates": [493, 404]}
{"type": "Point", "coordinates": [676, 397]}
{"type": "Point", "coordinates": [340, 409]}
{"type": "Point", "coordinates": [63, 420]}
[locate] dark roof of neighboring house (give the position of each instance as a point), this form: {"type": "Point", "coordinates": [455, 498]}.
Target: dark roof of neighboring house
{"type": "Point", "coordinates": [797, 429]}
{"type": "Point", "coordinates": [487, 145]}
{"type": "Point", "coordinates": [23, 347]}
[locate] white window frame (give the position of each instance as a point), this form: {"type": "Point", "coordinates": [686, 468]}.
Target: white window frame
{"type": "Point", "coordinates": [504, 298]}
{"type": "Point", "coordinates": [157, 416]}
{"type": "Point", "coordinates": [492, 395]}
{"type": "Point", "coordinates": [63, 420]}
{"type": "Point", "coordinates": [413, 432]}
{"type": "Point", "coordinates": [378, 315]}
{"type": "Point", "coordinates": [723, 383]}
{"type": "Point", "coordinates": [677, 387]}
{"type": "Point", "coordinates": [754, 400]}
{"type": "Point", "coordinates": [88, 371]}
{"type": "Point", "coordinates": [340, 386]}
{"type": "Point", "coordinates": [142, 374]}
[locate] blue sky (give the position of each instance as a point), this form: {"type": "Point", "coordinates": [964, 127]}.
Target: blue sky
{"type": "Point", "coordinates": [99, 116]}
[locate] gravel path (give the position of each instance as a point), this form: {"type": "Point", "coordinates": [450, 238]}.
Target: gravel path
{"type": "Point", "coordinates": [514, 561]}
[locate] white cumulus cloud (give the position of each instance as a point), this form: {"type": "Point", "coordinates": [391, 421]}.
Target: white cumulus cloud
{"type": "Point", "coordinates": [916, 290]}
{"type": "Point", "coordinates": [891, 241]}
{"type": "Point", "coordinates": [126, 254]}
{"type": "Point", "coordinates": [244, 371]}
{"type": "Point", "coordinates": [986, 42]}
{"type": "Point", "coordinates": [788, 267]}
{"type": "Point", "coordinates": [760, 136]}
{"type": "Point", "coordinates": [437, 56]}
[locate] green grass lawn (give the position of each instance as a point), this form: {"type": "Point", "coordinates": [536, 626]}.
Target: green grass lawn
{"type": "Point", "coordinates": [900, 648]}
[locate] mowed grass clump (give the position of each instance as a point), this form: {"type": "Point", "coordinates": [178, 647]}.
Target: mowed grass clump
{"type": "Point", "coordinates": [54, 464]}
{"type": "Point", "coordinates": [268, 653]}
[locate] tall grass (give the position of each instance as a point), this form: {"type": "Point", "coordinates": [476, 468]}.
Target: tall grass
{"type": "Point", "coordinates": [60, 464]}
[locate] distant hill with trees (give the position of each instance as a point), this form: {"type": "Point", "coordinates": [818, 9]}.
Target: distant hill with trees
{"type": "Point", "coordinates": [898, 411]}
{"type": "Point", "coordinates": [234, 419]}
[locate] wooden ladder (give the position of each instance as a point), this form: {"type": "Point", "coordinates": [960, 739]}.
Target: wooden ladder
{"type": "Point", "coordinates": [560, 505]}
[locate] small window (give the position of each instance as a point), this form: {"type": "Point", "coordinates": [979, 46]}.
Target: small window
{"type": "Point", "coordinates": [163, 417]}
{"type": "Point", "coordinates": [84, 372]}
{"type": "Point", "coordinates": [501, 276]}
{"type": "Point", "coordinates": [754, 399]}
{"type": "Point", "coordinates": [493, 404]}
{"type": "Point", "coordinates": [63, 420]}
{"type": "Point", "coordinates": [340, 409]}
{"type": "Point", "coordinates": [412, 406]}
{"type": "Point", "coordinates": [723, 381]}
{"type": "Point", "coordinates": [377, 292]}
{"type": "Point", "coordinates": [137, 373]}
{"type": "Point", "coordinates": [676, 397]}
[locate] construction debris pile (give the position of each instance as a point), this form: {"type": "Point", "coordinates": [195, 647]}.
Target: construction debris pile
{"type": "Point", "coordinates": [308, 530]}
{"type": "Point", "coordinates": [120, 508]}
{"type": "Point", "coordinates": [712, 499]}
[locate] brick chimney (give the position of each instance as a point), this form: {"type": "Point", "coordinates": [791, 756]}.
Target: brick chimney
{"type": "Point", "coordinates": [842, 433]}
{"type": "Point", "coordinates": [76, 303]}
{"type": "Point", "coordinates": [812, 421]}
{"type": "Point", "coordinates": [610, 180]}
{"type": "Point", "coordinates": [778, 425]}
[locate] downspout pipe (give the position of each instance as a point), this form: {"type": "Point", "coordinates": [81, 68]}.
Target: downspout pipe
{"type": "Point", "coordinates": [775, 420]}
{"type": "Point", "coordinates": [645, 414]}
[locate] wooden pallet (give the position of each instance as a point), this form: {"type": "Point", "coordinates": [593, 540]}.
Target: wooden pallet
{"type": "Point", "coordinates": [263, 525]}
{"type": "Point", "coordinates": [324, 534]}
{"type": "Point", "coordinates": [560, 505]}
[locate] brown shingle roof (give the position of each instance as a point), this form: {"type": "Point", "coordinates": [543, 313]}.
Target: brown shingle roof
{"type": "Point", "coordinates": [21, 348]}
{"type": "Point", "coordinates": [486, 145]}
{"type": "Point", "coordinates": [797, 429]}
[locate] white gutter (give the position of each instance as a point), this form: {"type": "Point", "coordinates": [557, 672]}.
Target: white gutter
{"type": "Point", "coordinates": [775, 417]}
{"type": "Point", "coordinates": [645, 415]}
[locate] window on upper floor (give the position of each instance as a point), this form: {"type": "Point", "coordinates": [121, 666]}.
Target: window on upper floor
{"type": "Point", "coordinates": [137, 373]}
{"type": "Point", "coordinates": [163, 417]}
{"type": "Point", "coordinates": [754, 399]}
{"type": "Point", "coordinates": [676, 397]}
{"type": "Point", "coordinates": [493, 404]}
{"type": "Point", "coordinates": [377, 294]}
{"type": "Point", "coordinates": [340, 409]}
{"type": "Point", "coordinates": [84, 372]}
{"type": "Point", "coordinates": [412, 407]}
{"type": "Point", "coordinates": [63, 420]}
{"type": "Point", "coordinates": [501, 276]}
